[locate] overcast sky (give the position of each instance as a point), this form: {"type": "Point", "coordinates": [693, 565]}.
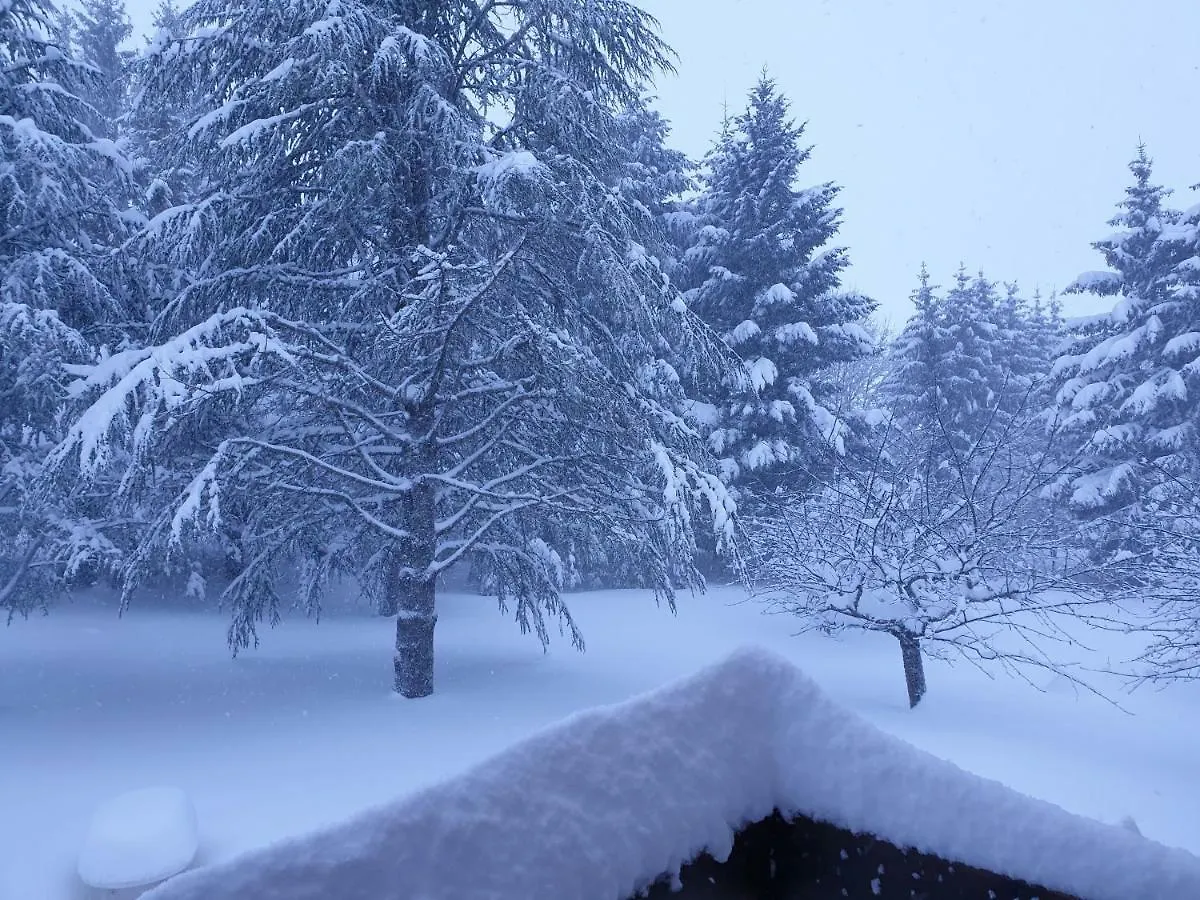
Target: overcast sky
{"type": "Point", "coordinates": [991, 132]}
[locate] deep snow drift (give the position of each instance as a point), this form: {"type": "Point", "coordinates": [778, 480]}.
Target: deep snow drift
{"type": "Point", "coordinates": [304, 732]}
{"type": "Point", "coordinates": [600, 805]}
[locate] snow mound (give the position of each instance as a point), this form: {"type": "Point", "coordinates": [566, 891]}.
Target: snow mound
{"type": "Point", "coordinates": [603, 803]}
{"type": "Point", "coordinates": [139, 838]}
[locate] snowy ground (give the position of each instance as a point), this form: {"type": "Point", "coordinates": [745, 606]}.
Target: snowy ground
{"type": "Point", "coordinates": [304, 731]}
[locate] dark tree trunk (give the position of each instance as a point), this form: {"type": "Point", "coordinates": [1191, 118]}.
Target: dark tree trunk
{"type": "Point", "coordinates": [414, 642]}
{"type": "Point", "coordinates": [914, 667]}
{"type": "Point", "coordinates": [412, 595]}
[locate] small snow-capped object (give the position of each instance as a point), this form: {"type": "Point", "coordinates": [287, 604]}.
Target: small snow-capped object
{"type": "Point", "coordinates": [139, 838]}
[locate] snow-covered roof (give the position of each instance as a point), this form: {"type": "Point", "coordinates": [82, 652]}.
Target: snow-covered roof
{"type": "Point", "coordinates": [605, 802]}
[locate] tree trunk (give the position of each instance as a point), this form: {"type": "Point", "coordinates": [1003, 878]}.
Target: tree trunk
{"type": "Point", "coordinates": [914, 667]}
{"type": "Point", "coordinates": [413, 661]}
{"type": "Point", "coordinates": [412, 595]}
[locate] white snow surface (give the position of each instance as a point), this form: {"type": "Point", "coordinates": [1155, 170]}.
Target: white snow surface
{"type": "Point", "coordinates": [1095, 281]}
{"type": "Point", "coordinates": [762, 372]}
{"type": "Point", "coordinates": [603, 803]}
{"type": "Point", "coordinates": [513, 163]}
{"type": "Point", "coordinates": [303, 732]}
{"type": "Point", "coordinates": [139, 838]}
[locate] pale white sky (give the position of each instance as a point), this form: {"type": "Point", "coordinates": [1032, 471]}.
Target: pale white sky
{"type": "Point", "coordinates": [992, 132]}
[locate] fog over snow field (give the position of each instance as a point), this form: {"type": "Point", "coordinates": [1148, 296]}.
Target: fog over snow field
{"type": "Point", "coordinates": [304, 731]}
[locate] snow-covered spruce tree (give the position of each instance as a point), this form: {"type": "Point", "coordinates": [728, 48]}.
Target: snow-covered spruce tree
{"type": "Point", "coordinates": [966, 357]}
{"type": "Point", "coordinates": [963, 352]}
{"type": "Point", "coordinates": [417, 324]}
{"type": "Point", "coordinates": [1046, 331]}
{"type": "Point", "coordinates": [761, 272]}
{"type": "Point", "coordinates": [1126, 385]}
{"type": "Point", "coordinates": [654, 177]}
{"type": "Point", "coordinates": [1129, 397]}
{"type": "Point", "coordinates": [1029, 335]}
{"type": "Point", "coordinates": [167, 16]}
{"type": "Point", "coordinates": [101, 27]}
{"type": "Point", "coordinates": [153, 126]}
{"type": "Point", "coordinates": [163, 177]}
{"type": "Point", "coordinates": [57, 301]}
{"type": "Point", "coordinates": [971, 371]}
{"type": "Point", "coordinates": [951, 362]}
{"type": "Point", "coordinates": [650, 178]}
{"type": "Point", "coordinates": [1173, 569]}
{"type": "Point", "coordinates": [911, 386]}
{"type": "Point", "coordinates": [1128, 390]}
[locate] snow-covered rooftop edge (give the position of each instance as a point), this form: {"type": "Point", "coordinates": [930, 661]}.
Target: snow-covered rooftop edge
{"type": "Point", "coordinates": [603, 803]}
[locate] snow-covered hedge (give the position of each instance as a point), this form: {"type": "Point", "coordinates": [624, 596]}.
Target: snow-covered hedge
{"type": "Point", "coordinates": [605, 802]}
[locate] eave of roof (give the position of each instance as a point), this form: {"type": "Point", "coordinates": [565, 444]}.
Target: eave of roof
{"type": "Point", "coordinates": [608, 800]}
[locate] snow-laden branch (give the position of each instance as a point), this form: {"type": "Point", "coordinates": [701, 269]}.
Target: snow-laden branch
{"type": "Point", "coordinates": [201, 363]}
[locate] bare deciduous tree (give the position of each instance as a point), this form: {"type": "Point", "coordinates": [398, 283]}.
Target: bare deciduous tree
{"type": "Point", "coordinates": [955, 553]}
